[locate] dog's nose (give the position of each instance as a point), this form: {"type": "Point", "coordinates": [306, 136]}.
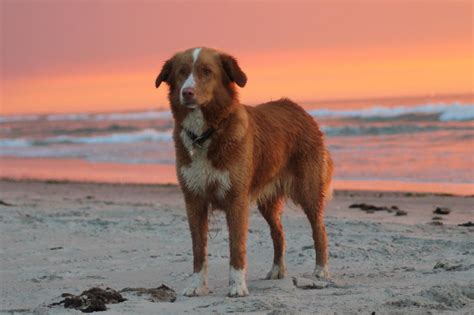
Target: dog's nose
{"type": "Point", "coordinates": [188, 93]}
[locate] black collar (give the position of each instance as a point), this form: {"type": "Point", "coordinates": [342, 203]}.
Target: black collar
{"type": "Point", "coordinates": [198, 141]}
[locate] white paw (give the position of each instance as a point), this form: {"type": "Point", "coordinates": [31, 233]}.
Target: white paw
{"type": "Point", "coordinates": [277, 272]}
{"type": "Point", "coordinates": [196, 291]}
{"type": "Point", "coordinates": [238, 285]}
{"type": "Point", "coordinates": [321, 272]}
{"type": "Point", "coordinates": [198, 284]}
{"type": "Point", "coordinates": [238, 290]}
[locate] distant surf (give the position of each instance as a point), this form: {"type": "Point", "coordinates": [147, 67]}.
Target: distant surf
{"type": "Point", "coordinates": [442, 112]}
{"type": "Point", "coordinates": [146, 135]}
{"type": "Point", "coordinates": [152, 135]}
{"type": "Point", "coordinates": [146, 115]}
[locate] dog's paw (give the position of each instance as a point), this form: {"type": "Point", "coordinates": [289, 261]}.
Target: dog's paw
{"type": "Point", "coordinates": [321, 272]}
{"type": "Point", "coordinates": [198, 285]}
{"type": "Point", "coordinates": [238, 290]}
{"type": "Point", "coordinates": [194, 290]}
{"type": "Point", "coordinates": [238, 285]}
{"type": "Point", "coordinates": [277, 272]}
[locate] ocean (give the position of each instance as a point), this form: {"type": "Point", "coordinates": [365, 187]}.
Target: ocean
{"type": "Point", "coordinates": [397, 145]}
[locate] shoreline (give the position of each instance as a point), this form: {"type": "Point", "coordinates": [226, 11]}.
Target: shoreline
{"type": "Point", "coordinates": [336, 192]}
{"type": "Point", "coordinates": [77, 170]}
{"type": "Point", "coordinates": [339, 206]}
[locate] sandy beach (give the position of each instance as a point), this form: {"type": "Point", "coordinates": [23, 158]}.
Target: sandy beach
{"type": "Point", "coordinates": [62, 237]}
{"type": "Point", "coordinates": [104, 103]}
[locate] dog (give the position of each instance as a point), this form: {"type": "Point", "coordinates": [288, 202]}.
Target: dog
{"type": "Point", "coordinates": [229, 155]}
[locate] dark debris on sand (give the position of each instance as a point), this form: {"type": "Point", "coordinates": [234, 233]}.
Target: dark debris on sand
{"type": "Point", "coordinates": [442, 210]}
{"type": "Point", "coordinates": [160, 294]}
{"type": "Point", "coordinates": [6, 204]}
{"type": "Point", "coordinates": [468, 224]}
{"type": "Point", "coordinates": [92, 300]}
{"type": "Point", "coordinates": [447, 266]}
{"type": "Point", "coordinates": [368, 208]}
{"type": "Point", "coordinates": [400, 213]}
{"type": "Point", "coordinates": [95, 299]}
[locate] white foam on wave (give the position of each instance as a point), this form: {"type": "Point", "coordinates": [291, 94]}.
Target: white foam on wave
{"type": "Point", "coordinates": [446, 112]}
{"type": "Point", "coordinates": [147, 115]}
{"type": "Point", "coordinates": [15, 143]}
{"type": "Point", "coordinates": [150, 115]}
{"type": "Point", "coordinates": [15, 118]}
{"type": "Point", "coordinates": [458, 113]}
{"type": "Point", "coordinates": [146, 135]}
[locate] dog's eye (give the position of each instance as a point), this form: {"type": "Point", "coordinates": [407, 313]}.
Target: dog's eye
{"type": "Point", "coordinates": [206, 71]}
{"type": "Point", "coordinates": [182, 71]}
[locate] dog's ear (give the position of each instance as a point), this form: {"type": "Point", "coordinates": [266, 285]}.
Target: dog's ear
{"type": "Point", "coordinates": [232, 69]}
{"type": "Point", "coordinates": [165, 73]}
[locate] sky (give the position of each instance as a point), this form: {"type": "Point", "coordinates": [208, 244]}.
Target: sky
{"type": "Point", "coordinates": [95, 56]}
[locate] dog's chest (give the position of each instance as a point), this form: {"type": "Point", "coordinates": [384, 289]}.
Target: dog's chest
{"type": "Point", "coordinates": [200, 174]}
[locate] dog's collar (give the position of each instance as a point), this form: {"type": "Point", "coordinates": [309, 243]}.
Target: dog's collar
{"type": "Point", "coordinates": [198, 141]}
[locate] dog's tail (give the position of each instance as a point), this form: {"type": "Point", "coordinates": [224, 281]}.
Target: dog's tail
{"type": "Point", "coordinates": [328, 168]}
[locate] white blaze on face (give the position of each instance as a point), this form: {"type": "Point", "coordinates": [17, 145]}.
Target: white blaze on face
{"type": "Point", "coordinates": [190, 81]}
{"type": "Point", "coordinates": [196, 52]}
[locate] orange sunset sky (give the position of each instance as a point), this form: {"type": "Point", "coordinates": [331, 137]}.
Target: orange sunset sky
{"type": "Point", "coordinates": [90, 56]}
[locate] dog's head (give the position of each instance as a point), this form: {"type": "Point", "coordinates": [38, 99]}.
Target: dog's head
{"type": "Point", "coordinates": [201, 76]}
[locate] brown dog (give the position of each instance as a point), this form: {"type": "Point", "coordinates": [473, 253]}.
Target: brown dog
{"type": "Point", "coordinates": [229, 154]}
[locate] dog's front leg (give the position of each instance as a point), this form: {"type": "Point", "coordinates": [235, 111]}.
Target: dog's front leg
{"type": "Point", "coordinates": [237, 221]}
{"type": "Point", "coordinates": [197, 211]}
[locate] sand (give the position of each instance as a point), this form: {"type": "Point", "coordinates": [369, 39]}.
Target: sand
{"type": "Point", "coordinates": [59, 237]}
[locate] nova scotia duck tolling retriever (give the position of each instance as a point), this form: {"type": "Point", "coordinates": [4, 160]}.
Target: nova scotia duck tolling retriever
{"type": "Point", "coordinates": [229, 155]}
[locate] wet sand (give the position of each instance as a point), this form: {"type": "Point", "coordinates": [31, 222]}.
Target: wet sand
{"type": "Point", "coordinates": [78, 170]}
{"type": "Point", "coordinates": [61, 237]}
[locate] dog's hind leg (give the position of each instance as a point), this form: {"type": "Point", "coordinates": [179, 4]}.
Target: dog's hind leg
{"type": "Point", "coordinates": [313, 206]}
{"type": "Point", "coordinates": [271, 210]}
{"type": "Point", "coordinates": [309, 193]}
{"type": "Point", "coordinates": [197, 212]}
{"type": "Point", "coordinates": [316, 220]}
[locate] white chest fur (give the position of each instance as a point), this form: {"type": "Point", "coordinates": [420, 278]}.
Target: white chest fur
{"type": "Point", "coordinates": [200, 173]}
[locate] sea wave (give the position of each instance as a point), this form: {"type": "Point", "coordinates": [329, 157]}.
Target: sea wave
{"type": "Point", "coordinates": [113, 128]}
{"type": "Point", "coordinates": [18, 118]}
{"type": "Point", "coordinates": [147, 115]}
{"type": "Point", "coordinates": [442, 112]}
{"type": "Point", "coordinates": [145, 135]}
{"type": "Point", "coordinates": [391, 129]}
{"type": "Point", "coordinates": [153, 135]}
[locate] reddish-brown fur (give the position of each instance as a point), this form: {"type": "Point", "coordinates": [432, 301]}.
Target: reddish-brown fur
{"type": "Point", "coordinates": [271, 151]}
